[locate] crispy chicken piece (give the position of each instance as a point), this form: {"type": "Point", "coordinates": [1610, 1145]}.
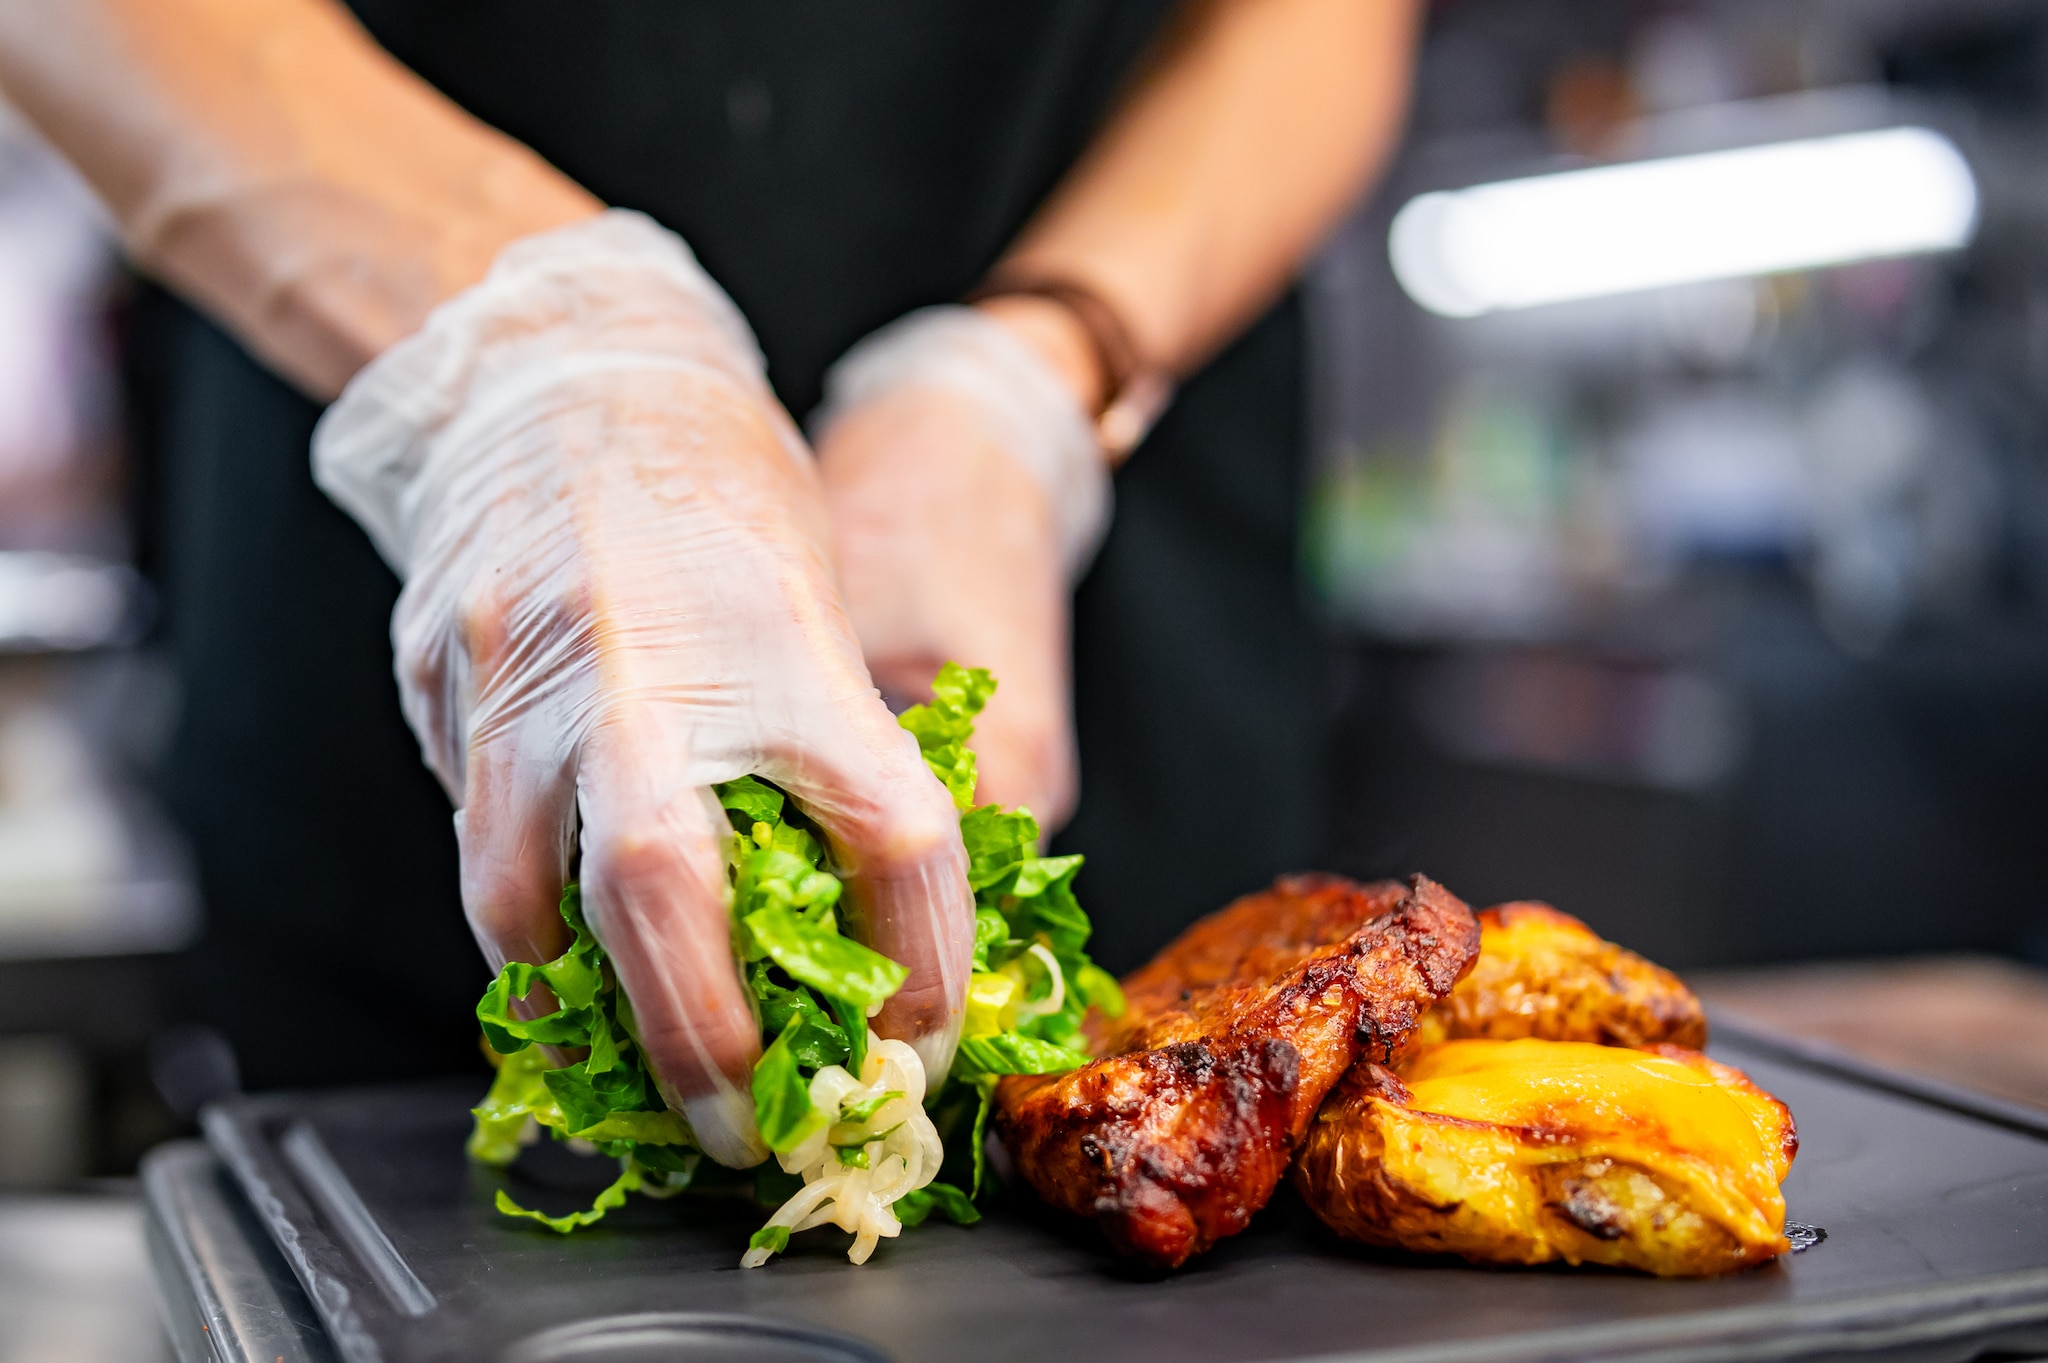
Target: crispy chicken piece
{"type": "Point", "coordinates": [1520, 1152]}
{"type": "Point", "coordinates": [1545, 974]}
{"type": "Point", "coordinates": [1232, 1037]}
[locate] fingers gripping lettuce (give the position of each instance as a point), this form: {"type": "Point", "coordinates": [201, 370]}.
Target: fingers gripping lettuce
{"type": "Point", "coordinates": [858, 1140]}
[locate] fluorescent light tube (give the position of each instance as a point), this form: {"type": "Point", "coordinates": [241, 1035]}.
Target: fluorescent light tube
{"type": "Point", "coordinates": [1682, 219]}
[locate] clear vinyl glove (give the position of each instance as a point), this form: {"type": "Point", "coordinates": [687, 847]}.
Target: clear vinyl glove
{"type": "Point", "coordinates": [618, 591]}
{"type": "Point", "coordinates": [968, 492]}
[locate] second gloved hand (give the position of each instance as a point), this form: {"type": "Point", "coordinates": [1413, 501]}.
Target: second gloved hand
{"type": "Point", "coordinates": [619, 591]}
{"type": "Point", "coordinates": [967, 492]}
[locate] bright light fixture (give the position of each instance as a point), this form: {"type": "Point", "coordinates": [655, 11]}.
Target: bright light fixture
{"type": "Point", "coordinates": [1682, 219]}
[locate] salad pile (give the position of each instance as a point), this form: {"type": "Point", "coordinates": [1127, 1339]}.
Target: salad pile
{"type": "Point", "coordinates": [858, 1140]}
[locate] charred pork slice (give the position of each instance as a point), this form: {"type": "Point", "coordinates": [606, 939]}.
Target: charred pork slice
{"type": "Point", "coordinates": [1234, 1034]}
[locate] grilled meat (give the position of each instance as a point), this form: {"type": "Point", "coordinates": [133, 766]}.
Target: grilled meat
{"type": "Point", "coordinates": [1254, 938]}
{"type": "Point", "coordinates": [1545, 974]}
{"type": "Point", "coordinates": [1520, 1152]}
{"type": "Point", "coordinates": [1232, 1037]}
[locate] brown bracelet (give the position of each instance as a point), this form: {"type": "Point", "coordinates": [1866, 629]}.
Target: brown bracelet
{"type": "Point", "coordinates": [1134, 392]}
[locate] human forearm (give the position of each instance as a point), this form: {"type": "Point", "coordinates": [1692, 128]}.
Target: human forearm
{"type": "Point", "coordinates": [1257, 124]}
{"type": "Point", "coordinates": [269, 160]}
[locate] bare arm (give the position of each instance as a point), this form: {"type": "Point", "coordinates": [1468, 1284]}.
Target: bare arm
{"type": "Point", "coordinates": [1257, 123]}
{"type": "Point", "coordinates": [274, 164]}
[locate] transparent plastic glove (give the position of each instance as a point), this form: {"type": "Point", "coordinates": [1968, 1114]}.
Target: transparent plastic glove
{"type": "Point", "coordinates": [967, 492]}
{"type": "Point", "coordinates": [618, 590]}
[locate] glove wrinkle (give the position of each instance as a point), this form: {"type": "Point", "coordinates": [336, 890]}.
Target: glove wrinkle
{"type": "Point", "coordinates": [619, 591]}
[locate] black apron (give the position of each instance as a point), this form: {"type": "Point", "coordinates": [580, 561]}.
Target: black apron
{"type": "Point", "coordinates": [834, 166]}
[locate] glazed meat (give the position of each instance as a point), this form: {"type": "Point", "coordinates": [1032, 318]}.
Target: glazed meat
{"type": "Point", "coordinates": [1233, 1035]}
{"type": "Point", "coordinates": [1254, 938]}
{"type": "Point", "coordinates": [1521, 1152]}
{"type": "Point", "coordinates": [1545, 974]}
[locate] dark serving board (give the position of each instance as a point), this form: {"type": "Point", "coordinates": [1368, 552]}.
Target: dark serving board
{"type": "Point", "coordinates": [1935, 1206]}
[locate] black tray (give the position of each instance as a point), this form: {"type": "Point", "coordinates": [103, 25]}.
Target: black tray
{"type": "Point", "coordinates": [1935, 1204]}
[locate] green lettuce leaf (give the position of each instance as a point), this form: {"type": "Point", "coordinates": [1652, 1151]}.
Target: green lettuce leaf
{"type": "Point", "coordinates": [943, 726]}
{"type": "Point", "coordinates": [754, 799]}
{"type": "Point", "coordinates": [503, 1118]}
{"type": "Point", "coordinates": [862, 1112]}
{"type": "Point", "coordinates": [782, 1099]}
{"type": "Point", "coordinates": [1099, 989]}
{"type": "Point", "coordinates": [915, 1206]}
{"type": "Point", "coordinates": [853, 1021]}
{"type": "Point", "coordinates": [817, 1040]}
{"type": "Point", "coordinates": [814, 989]}
{"type": "Point", "coordinates": [587, 1099]}
{"type": "Point", "coordinates": [574, 978]}
{"type": "Point", "coordinates": [1013, 1053]}
{"type": "Point", "coordinates": [990, 929]}
{"type": "Point", "coordinates": [647, 1131]}
{"type": "Point", "coordinates": [812, 952]}
{"type": "Point", "coordinates": [985, 1095]}
{"type": "Point", "coordinates": [629, 1180]}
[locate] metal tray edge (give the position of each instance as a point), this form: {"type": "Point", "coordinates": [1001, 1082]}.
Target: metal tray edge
{"type": "Point", "coordinates": [184, 1291]}
{"type": "Point", "coordinates": [266, 1182]}
{"type": "Point", "coordinates": [217, 1270]}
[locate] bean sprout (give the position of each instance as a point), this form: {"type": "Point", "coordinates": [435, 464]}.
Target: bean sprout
{"type": "Point", "coordinates": [880, 1146]}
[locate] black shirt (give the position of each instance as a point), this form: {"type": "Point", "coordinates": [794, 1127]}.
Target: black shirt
{"type": "Point", "coordinates": [834, 166]}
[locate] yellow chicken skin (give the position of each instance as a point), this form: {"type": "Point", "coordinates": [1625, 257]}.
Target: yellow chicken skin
{"type": "Point", "coordinates": [1542, 973]}
{"type": "Point", "coordinates": [1527, 1151]}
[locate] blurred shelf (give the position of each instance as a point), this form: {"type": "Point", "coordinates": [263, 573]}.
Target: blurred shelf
{"type": "Point", "coordinates": [88, 866]}
{"type": "Point", "coordinates": [75, 1285]}
{"type": "Point", "coordinates": [65, 603]}
{"type": "Point", "coordinates": [130, 918]}
{"type": "Point", "coordinates": [140, 902]}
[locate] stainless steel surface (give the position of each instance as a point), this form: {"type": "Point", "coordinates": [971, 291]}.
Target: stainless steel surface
{"type": "Point", "coordinates": [226, 1295]}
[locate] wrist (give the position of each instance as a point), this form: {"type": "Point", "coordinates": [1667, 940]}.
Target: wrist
{"type": "Point", "coordinates": [1058, 337]}
{"type": "Point", "coordinates": [320, 278]}
{"type": "Point", "coordinates": [1120, 391]}
{"type": "Point", "coordinates": [1008, 390]}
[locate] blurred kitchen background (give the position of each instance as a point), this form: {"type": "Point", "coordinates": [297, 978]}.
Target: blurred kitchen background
{"type": "Point", "coordinates": [1716, 612]}
{"type": "Point", "coordinates": [1710, 606]}
{"type": "Point", "coordinates": [94, 891]}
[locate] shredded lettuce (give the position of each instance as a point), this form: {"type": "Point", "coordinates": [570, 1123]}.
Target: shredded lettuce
{"type": "Point", "coordinates": [782, 1099]}
{"type": "Point", "coordinates": [917, 1205]}
{"type": "Point", "coordinates": [814, 989]}
{"type": "Point", "coordinates": [1033, 981]}
{"type": "Point", "coordinates": [607, 1098]}
{"type": "Point", "coordinates": [943, 727]}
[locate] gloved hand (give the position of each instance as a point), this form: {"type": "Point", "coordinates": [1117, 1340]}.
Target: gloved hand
{"type": "Point", "coordinates": [967, 492]}
{"type": "Point", "coordinates": [618, 590]}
